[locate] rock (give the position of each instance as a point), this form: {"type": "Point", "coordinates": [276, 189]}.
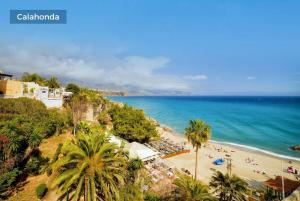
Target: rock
{"type": "Point", "coordinates": [154, 121]}
{"type": "Point", "coordinates": [295, 147]}
{"type": "Point", "coordinates": [167, 129]}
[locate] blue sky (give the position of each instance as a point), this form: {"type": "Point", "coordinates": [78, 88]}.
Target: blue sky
{"type": "Point", "coordinates": [162, 46]}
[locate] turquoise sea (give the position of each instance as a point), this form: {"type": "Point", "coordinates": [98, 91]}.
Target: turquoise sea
{"type": "Point", "coordinates": [268, 124]}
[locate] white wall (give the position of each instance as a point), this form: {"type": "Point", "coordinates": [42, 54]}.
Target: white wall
{"type": "Point", "coordinates": [53, 102]}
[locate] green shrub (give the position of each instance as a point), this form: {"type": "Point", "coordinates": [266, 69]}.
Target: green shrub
{"type": "Point", "coordinates": [57, 152]}
{"type": "Point", "coordinates": [103, 118]}
{"type": "Point", "coordinates": [132, 124]}
{"type": "Point", "coordinates": [41, 190]}
{"type": "Point", "coordinates": [8, 180]}
{"type": "Point", "coordinates": [36, 164]}
{"type": "Point", "coordinates": [73, 88]}
{"type": "Point", "coordinates": [49, 171]}
{"type": "Point", "coordinates": [151, 197]}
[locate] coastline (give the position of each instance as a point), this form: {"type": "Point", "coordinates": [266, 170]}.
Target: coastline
{"type": "Point", "coordinates": [262, 164]}
{"type": "Point", "coordinates": [227, 143]}
{"type": "Point", "coordinates": [239, 146]}
{"type": "Point", "coordinates": [262, 167]}
{"type": "Point", "coordinates": [257, 150]}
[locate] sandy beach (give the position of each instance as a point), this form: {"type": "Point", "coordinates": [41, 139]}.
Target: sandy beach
{"type": "Point", "coordinates": [247, 164]}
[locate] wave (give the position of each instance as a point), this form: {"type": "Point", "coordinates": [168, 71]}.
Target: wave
{"type": "Point", "coordinates": [241, 146]}
{"type": "Point", "coordinates": [247, 147]}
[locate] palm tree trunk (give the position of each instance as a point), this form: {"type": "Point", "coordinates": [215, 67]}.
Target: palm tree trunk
{"type": "Point", "coordinates": [196, 166]}
{"type": "Point", "coordinates": [85, 188]}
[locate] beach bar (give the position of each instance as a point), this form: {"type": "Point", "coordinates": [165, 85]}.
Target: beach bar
{"type": "Point", "coordinates": [280, 185]}
{"type": "Point", "coordinates": [138, 150]}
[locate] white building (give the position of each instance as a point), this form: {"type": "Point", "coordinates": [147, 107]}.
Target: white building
{"type": "Point", "coordinates": [52, 98]}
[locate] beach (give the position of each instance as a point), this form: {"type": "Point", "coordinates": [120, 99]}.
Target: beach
{"type": "Point", "coordinates": [266, 123]}
{"type": "Point", "coordinates": [253, 166]}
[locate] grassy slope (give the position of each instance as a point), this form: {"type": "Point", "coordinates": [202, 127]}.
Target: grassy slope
{"type": "Point", "coordinates": [27, 192]}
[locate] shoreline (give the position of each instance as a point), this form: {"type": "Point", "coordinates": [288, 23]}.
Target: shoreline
{"type": "Point", "coordinates": [249, 164]}
{"type": "Point", "coordinates": [231, 144]}
{"type": "Point", "coordinates": [256, 150]}
{"type": "Point", "coordinates": [238, 146]}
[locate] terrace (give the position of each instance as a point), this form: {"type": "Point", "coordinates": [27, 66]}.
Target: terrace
{"type": "Point", "coordinates": [167, 148]}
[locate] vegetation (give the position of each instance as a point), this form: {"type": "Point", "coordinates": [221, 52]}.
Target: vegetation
{"type": "Point", "coordinates": [41, 190]}
{"type": "Point", "coordinates": [34, 78]}
{"type": "Point", "coordinates": [7, 181]}
{"type": "Point", "coordinates": [87, 166]}
{"type": "Point", "coordinates": [151, 197]}
{"type": "Point", "coordinates": [90, 168]}
{"type": "Point", "coordinates": [52, 83]}
{"type": "Point", "coordinates": [131, 124]}
{"type": "Point", "coordinates": [81, 102]}
{"type": "Point", "coordinates": [135, 178]}
{"type": "Point", "coordinates": [24, 123]}
{"type": "Point", "coordinates": [198, 132]}
{"type": "Point", "coordinates": [36, 163]}
{"type": "Point", "coordinates": [189, 189]}
{"type": "Point", "coordinates": [269, 195]}
{"type": "Point", "coordinates": [228, 188]}
{"type": "Point", "coordinates": [73, 88]}
{"type": "Point", "coordinates": [57, 152]}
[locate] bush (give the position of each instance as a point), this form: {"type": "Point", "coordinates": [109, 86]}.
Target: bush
{"type": "Point", "coordinates": [103, 118]}
{"type": "Point", "coordinates": [35, 165]}
{"type": "Point", "coordinates": [49, 171]}
{"type": "Point", "coordinates": [57, 152]}
{"type": "Point", "coordinates": [132, 124]}
{"type": "Point", "coordinates": [41, 190]}
{"type": "Point", "coordinates": [73, 88]}
{"type": "Point", "coordinates": [151, 197]}
{"type": "Point", "coordinates": [8, 180]}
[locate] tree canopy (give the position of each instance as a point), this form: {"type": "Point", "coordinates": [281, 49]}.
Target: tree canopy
{"type": "Point", "coordinates": [189, 189]}
{"type": "Point", "coordinates": [53, 83]}
{"type": "Point", "coordinates": [131, 124]}
{"type": "Point", "coordinates": [228, 188]}
{"type": "Point", "coordinates": [91, 168]}
{"type": "Point", "coordinates": [26, 77]}
{"type": "Point", "coordinates": [73, 88]}
{"type": "Point", "coordinates": [198, 132]}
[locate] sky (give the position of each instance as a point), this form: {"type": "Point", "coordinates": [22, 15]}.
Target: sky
{"type": "Point", "coordinates": [215, 47]}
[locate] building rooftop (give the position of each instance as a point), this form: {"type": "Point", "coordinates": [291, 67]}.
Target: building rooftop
{"type": "Point", "coordinates": [5, 75]}
{"type": "Point", "coordinates": [276, 184]}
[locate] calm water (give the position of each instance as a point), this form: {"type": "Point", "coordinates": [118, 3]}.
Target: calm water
{"type": "Point", "coordinates": [268, 123]}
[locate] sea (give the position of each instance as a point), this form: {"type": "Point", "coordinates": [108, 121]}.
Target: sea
{"type": "Point", "coordinates": [266, 124]}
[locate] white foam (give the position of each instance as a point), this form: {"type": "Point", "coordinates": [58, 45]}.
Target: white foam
{"type": "Point", "coordinates": [257, 150]}
{"type": "Point", "coordinates": [244, 147]}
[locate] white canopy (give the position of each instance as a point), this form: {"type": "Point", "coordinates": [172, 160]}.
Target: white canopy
{"type": "Point", "coordinates": [137, 150]}
{"type": "Point", "coordinates": [116, 140]}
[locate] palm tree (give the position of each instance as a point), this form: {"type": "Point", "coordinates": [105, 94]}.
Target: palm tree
{"type": "Point", "coordinates": [90, 168]}
{"type": "Point", "coordinates": [53, 83]}
{"type": "Point", "coordinates": [197, 133]}
{"type": "Point", "coordinates": [228, 188]}
{"type": "Point", "coordinates": [135, 180]}
{"type": "Point", "coordinates": [189, 189]}
{"type": "Point", "coordinates": [132, 191]}
{"type": "Point", "coordinates": [135, 164]}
